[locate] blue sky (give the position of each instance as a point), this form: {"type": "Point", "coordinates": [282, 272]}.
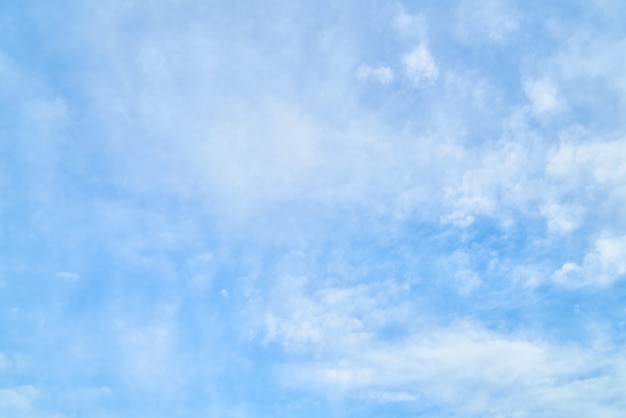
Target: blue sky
{"type": "Point", "coordinates": [312, 209]}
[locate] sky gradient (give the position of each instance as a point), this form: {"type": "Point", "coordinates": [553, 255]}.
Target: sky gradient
{"type": "Point", "coordinates": [312, 209]}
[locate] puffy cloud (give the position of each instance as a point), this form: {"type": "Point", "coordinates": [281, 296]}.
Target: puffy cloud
{"type": "Point", "coordinates": [543, 96]}
{"type": "Point", "coordinates": [598, 163]}
{"type": "Point", "coordinates": [562, 218]}
{"type": "Point", "coordinates": [604, 264]}
{"type": "Point", "coordinates": [419, 65]}
{"type": "Point", "coordinates": [496, 182]}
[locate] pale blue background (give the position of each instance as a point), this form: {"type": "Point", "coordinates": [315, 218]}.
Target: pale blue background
{"type": "Point", "coordinates": [312, 209]}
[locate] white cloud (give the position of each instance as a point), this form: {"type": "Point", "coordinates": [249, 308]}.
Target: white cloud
{"type": "Point", "coordinates": [468, 369]}
{"type": "Point", "coordinates": [600, 163]}
{"type": "Point", "coordinates": [419, 65]}
{"type": "Point", "coordinates": [148, 351]}
{"type": "Point", "coordinates": [562, 218]}
{"type": "Point", "coordinates": [410, 27]}
{"type": "Point", "coordinates": [604, 264]}
{"type": "Point", "coordinates": [297, 320]}
{"type": "Point", "coordinates": [19, 400]}
{"type": "Point", "coordinates": [497, 182]}
{"type": "Point", "coordinates": [5, 363]}
{"type": "Point", "coordinates": [589, 54]}
{"type": "Point", "coordinates": [201, 116]}
{"type": "Point", "coordinates": [384, 396]}
{"type": "Point", "coordinates": [67, 275]}
{"type": "Point", "coordinates": [335, 344]}
{"type": "Point", "coordinates": [468, 281]}
{"type": "Point", "coordinates": [543, 96]}
{"type": "Point", "coordinates": [201, 270]}
{"type": "Point", "coordinates": [382, 74]}
{"type": "Point", "coordinates": [587, 176]}
{"type": "Point", "coordinates": [524, 176]}
{"type": "Point", "coordinates": [492, 21]}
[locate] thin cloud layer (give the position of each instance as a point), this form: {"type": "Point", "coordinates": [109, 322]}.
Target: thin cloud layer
{"type": "Point", "coordinates": [292, 209]}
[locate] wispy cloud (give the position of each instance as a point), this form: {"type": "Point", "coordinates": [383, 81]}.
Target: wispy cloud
{"type": "Point", "coordinates": [297, 208]}
{"type": "Point", "coordinates": [487, 20]}
{"type": "Point", "coordinates": [463, 365]}
{"type": "Point", "coordinates": [383, 75]}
